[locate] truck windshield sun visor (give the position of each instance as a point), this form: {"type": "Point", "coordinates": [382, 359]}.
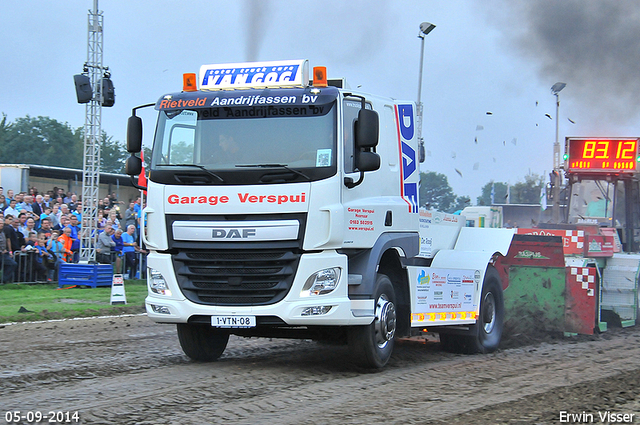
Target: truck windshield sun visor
{"type": "Point", "coordinates": [219, 133]}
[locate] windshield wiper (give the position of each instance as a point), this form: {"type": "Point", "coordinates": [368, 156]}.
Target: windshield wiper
{"type": "Point", "coordinates": [202, 167]}
{"type": "Point", "coordinates": [300, 173]}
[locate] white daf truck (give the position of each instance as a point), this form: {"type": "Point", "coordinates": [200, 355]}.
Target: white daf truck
{"type": "Point", "coordinates": [283, 207]}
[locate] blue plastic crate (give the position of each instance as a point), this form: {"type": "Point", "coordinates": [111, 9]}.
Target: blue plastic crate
{"type": "Point", "coordinates": [85, 274]}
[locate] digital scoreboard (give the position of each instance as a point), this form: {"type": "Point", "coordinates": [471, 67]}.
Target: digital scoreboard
{"type": "Point", "coordinates": [601, 156]}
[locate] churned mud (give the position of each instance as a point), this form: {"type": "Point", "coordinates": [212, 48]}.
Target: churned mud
{"type": "Point", "coordinates": [129, 370]}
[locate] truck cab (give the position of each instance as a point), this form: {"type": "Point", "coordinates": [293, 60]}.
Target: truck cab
{"type": "Point", "coordinates": [279, 206]}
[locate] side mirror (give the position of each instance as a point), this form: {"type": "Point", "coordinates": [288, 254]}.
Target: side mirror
{"type": "Point", "coordinates": [366, 134]}
{"type": "Point", "coordinates": [368, 161]}
{"type": "Point", "coordinates": [133, 166]}
{"type": "Point", "coordinates": [134, 134]}
{"type": "Point", "coordinates": [367, 129]}
{"type": "Point", "coordinates": [365, 161]}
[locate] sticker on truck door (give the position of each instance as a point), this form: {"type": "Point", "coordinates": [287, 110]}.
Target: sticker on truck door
{"type": "Point", "coordinates": [323, 158]}
{"type": "Point", "coordinates": [443, 294]}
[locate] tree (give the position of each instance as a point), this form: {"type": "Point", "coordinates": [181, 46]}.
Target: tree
{"type": "Point", "coordinates": [45, 141]}
{"type": "Point", "coordinates": [113, 155]}
{"type": "Point", "coordinates": [527, 192]}
{"type": "Point", "coordinates": [42, 141]}
{"type": "Point", "coordinates": [147, 156]}
{"type": "Point", "coordinates": [499, 193]}
{"type": "Point", "coordinates": [461, 203]}
{"type": "Point", "coordinates": [435, 192]}
{"type": "Point", "coordinates": [3, 128]}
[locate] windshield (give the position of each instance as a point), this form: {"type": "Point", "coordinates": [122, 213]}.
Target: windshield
{"type": "Point", "coordinates": [235, 140]}
{"type": "Point", "coordinates": [592, 202]}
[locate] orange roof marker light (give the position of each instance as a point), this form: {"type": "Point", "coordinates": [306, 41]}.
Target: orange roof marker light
{"type": "Point", "coordinates": [320, 76]}
{"type": "Point", "coordinates": [189, 82]}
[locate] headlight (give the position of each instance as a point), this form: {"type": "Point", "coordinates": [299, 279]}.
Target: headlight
{"type": "Point", "coordinates": [160, 309]}
{"type": "Point", "coordinates": [157, 284]}
{"type": "Point", "coordinates": [321, 282]}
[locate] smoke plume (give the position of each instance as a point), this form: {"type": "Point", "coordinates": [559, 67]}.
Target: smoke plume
{"type": "Point", "coordinates": [256, 26]}
{"type": "Point", "coordinates": [592, 45]}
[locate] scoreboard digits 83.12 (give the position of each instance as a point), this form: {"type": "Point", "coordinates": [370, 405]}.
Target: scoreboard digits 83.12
{"type": "Point", "coordinates": [596, 155]}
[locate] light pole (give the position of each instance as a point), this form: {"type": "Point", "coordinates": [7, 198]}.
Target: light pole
{"type": "Point", "coordinates": [425, 28]}
{"type": "Point", "coordinates": [555, 89]}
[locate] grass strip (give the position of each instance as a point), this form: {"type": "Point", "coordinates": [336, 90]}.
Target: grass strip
{"type": "Point", "coordinates": [33, 302]}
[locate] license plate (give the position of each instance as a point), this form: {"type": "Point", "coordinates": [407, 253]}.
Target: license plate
{"type": "Point", "coordinates": [233, 321]}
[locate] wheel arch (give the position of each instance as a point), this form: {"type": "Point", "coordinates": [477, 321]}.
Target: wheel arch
{"type": "Point", "coordinates": [387, 256]}
{"type": "Point", "coordinates": [391, 265]}
{"type": "Point", "coordinates": [472, 260]}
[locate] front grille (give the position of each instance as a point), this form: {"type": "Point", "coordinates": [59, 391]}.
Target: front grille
{"type": "Point", "coordinates": [234, 256]}
{"type": "Point", "coordinates": [239, 277]}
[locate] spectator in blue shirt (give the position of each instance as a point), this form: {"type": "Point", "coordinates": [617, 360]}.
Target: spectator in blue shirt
{"type": "Point", "coordinates": [11, 209]}
{"type": "Point", "coordinates": [41, 256]}
{"type": "Point", "coordinates": [20, 201]}
{"type": "Point", "coordinates": [57, 249]}
{"type": "Point", "coordinates": [130, 260]}
{"type": "Point", "coordinates": [118, 249]}
{"type": "Point", "coordinates": [75, 235]}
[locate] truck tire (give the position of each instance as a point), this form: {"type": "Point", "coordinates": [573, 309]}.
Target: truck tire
{"type": "Point", "coordinates": [488, 332]}
{"type": "Point", "coordinates": [485, 335]}
{"type": "Point", "coordinates": [371, 346]}
{"type": "Point", "coordinates": [202, 343]}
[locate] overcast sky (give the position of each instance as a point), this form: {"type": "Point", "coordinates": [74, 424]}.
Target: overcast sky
{"type": "Point", "coordinates": [489, 65]}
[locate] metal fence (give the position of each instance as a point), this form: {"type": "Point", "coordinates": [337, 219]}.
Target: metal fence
{"type": "Point", "coordinates": [28, 269]}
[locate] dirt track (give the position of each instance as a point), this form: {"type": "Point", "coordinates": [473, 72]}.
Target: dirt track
{"type": "Point", "coordinates": [129, 370]}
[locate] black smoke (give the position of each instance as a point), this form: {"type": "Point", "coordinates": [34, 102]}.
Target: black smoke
{"type": "Point", "coordinates": [592, 45]}
{"type": "Point", "coordinates": [257, 19]}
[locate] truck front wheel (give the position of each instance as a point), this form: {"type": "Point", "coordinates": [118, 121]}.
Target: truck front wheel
{"type": "Point", "coordinates": [202, 343]}
{"type": "Point", "coordinates": [372, 345]}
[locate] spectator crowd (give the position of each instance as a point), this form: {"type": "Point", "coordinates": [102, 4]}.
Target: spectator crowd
{"type": "Point", "coordinates": [39, 232]}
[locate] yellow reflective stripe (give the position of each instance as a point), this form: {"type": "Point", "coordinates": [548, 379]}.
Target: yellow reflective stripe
{"type": "Point", "coordinates": [444, 315]}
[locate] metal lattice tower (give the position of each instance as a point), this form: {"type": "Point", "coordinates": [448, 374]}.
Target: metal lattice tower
{"type": "Point", "coordinates": [92, 137]}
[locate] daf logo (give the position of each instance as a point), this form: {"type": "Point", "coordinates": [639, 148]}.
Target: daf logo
{"type": "Point", "coordinates": [233, 233]}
